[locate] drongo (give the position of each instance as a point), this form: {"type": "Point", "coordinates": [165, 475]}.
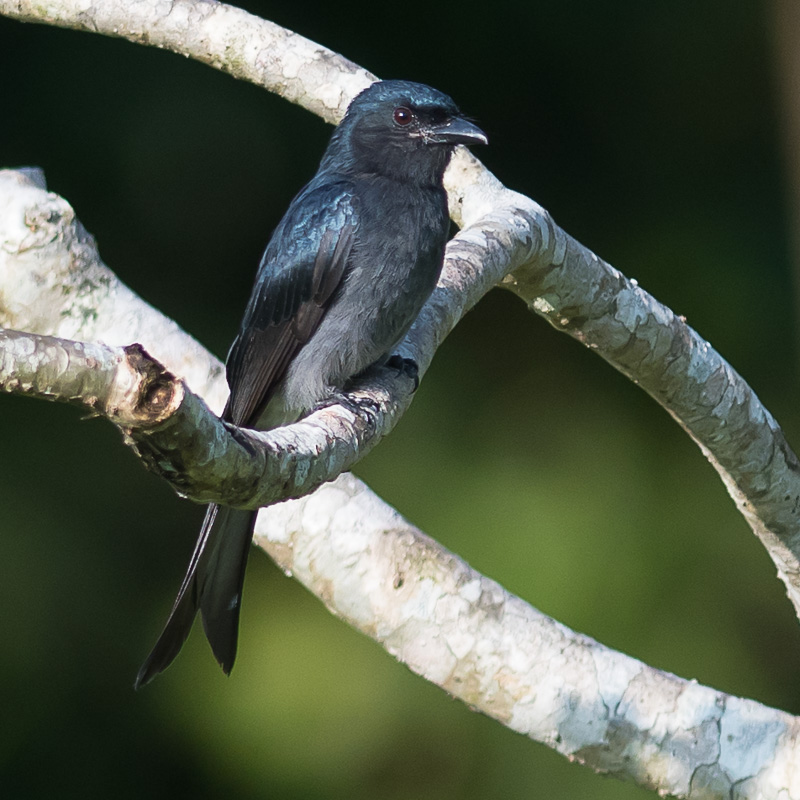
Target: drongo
{"type": "Point", "coordinates": [343, 277]}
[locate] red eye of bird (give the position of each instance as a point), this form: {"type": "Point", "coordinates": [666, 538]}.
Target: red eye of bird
{"type": "Point", "coordinates": [403, 115]}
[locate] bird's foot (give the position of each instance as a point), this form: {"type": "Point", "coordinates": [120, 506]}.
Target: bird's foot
{"type": "Point", "coordinates": [405, 366]}
{"type": "Point", "coordinates": [355, 405]}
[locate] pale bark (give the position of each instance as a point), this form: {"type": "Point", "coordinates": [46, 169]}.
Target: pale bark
{"type": "Point", "coordinates": [176, 434]}
{"type": "Point", "coordinates": [381, 574]}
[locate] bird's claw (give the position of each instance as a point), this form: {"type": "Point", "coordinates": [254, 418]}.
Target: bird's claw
{"type": "Point", "coordinates": [357, 406]}
{"type": "Point", "coordinates": [407, 367]}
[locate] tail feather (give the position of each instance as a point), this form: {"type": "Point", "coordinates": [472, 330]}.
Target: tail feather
{"type": "Point", "coordinates": [221, 596]}
{"type": "Point", "coordinates": [212, 585]}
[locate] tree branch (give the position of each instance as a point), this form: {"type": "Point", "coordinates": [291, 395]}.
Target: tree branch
{"type": "Point", "coordinates": [178, 437]}
{"type": "Point", "coordinates": [451, 625]}
{"type": "Point", "coordinates": [492, 650]}
{"type": "Point", "coordinates": [580, 294]}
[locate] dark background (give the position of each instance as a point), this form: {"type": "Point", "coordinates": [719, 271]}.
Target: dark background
{"type": "Point", "coordinates": [650, 131]}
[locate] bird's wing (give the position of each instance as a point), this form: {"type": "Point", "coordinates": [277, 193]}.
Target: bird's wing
{"type": "Point", "coordinates": [301, 269]}
{"type": "Point", "coordinates": [302, 266]}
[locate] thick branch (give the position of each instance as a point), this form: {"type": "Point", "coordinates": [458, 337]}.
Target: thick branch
{"type": "Point", "coordinates": [587, 298]}
{"type": "Point", "coordinates": [487, 647]}
{"type": "Point", "coordinates": [179, 437]}
{"type": "Point", "coordinates": [580, 294]}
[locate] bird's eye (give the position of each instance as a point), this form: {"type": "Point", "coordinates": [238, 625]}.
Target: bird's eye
{"type": "Point", "coordinates": [403, 115]}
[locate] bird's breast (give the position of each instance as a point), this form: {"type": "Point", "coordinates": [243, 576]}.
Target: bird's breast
{"type": "Point", "coordinates": [393, 268]}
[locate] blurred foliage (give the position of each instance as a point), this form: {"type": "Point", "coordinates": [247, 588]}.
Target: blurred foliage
{"type": "Point", "coordinates": [649, 131]}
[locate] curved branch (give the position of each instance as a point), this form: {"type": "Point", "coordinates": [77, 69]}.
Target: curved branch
{"type": "Point", "coordinates": [582, 295]}
{"type": "Point", "coordinates": [598, 706]}
{"type": "Point", "coordinates": [178, 437]}
{"type": "Point", "coordinates": [495, 652]}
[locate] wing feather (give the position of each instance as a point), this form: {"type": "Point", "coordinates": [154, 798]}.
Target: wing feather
{"type": "Point", "coordinates": [303, 266]}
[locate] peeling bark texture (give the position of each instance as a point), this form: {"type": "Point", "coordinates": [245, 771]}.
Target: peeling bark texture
{"type": "Point", "coordinates": [447, 622]}
{"type": "Point", "coordinates": [485, 646]}
{"type": "Point", "coordinates": [581, 295]}
{"type": "Point", "coordinates": [122, 383]}
{"type": "Point", "coordinates": [179, 438]}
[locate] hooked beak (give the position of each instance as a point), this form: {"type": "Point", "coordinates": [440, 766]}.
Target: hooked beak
{"type": "Point", "coordinates": [455, 131]}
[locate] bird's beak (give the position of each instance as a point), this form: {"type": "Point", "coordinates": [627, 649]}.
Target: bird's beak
{"type": "Point", "coordinates": [455, 131]}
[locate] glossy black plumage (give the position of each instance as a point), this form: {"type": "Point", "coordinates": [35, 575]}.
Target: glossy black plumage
{"type": "Point", "coordinates": [342, 279]}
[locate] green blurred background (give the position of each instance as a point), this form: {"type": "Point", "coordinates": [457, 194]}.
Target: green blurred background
{"type": "Point", "coordinates": [650, 131]}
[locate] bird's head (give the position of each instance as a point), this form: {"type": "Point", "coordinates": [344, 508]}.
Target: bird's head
{"type": "Point", "coordinates": [403, 130]}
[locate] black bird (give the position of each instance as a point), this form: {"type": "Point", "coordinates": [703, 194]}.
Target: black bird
{"type": "Point", "coordinates": [343, 277]}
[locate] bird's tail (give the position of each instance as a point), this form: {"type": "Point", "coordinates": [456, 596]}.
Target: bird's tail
{"type": "Point", "coordinates": [213, 586]}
